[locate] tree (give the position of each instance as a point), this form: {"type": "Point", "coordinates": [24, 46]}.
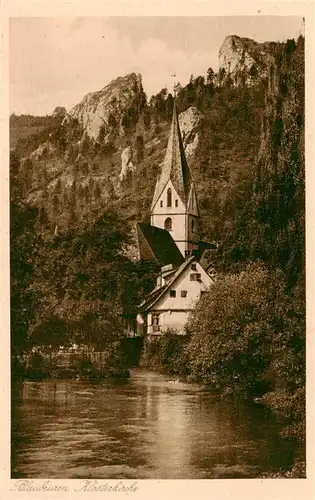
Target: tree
{"type": "Point", "coordinates": [210, 76]}
{"type": "Point", "coordinates": [243, 331]}
{"type": "Point", "coordinates": [24, 247]}
{"type": "Point", "coordinates": [270, 226]}
{"type": "Point", "coordinates": [222, 75]}
{"type": "Point", "coordinates": [80, 277]}
{"type": "Point", "coordinates": [59, 112]}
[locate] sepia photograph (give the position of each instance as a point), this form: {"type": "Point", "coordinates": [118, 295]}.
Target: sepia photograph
{"type": "Point", "coordinates": [157, 247]}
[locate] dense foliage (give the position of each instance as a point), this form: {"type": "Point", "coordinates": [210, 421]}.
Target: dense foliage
{"type": "Point", "coordinates": [24, 248]}
{"type": "Point", "coordinates": [248, 334]}
{"type": "Point", "coordinates": [166, 353]}
{"type": "Point", "coordinates": [270, 225]}
{"type": "Point", "coordinates": [72, 286]}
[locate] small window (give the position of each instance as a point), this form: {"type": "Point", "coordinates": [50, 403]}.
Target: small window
{"type": "Point", "coordinates": [169, 197]}
{"type": "Point", "coordinates": [183, 293]}
{"type": "Point", "coordinates": [172, 293]}
{"type": "Point", "coordinates": [161, 203]}
{"type": "Point", "coordinates": [168, 224]}
{"type": "Point", "coordinates": [155, 319]}
{"type": "Point", "coordinates": [176, 203]}
{"type": "Point", "coordinates": [192, 225]}
{"type": "Point", "coordinates": [187, 254]}
{"type": "Point", "coordinates": [155, 322]}
{"type": "Point", "coordinates": [194, 267]}
{"type": "Point", "coordinates": [195, 277]}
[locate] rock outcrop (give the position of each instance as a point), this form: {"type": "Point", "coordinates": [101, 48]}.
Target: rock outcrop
{"type": "Point", "coordinates": [108, 149]}
{"type": "Point", "coordinates": [108, 111]}
{"type": "Point", "coordinates": [244, 60]}
{"type": "Point", "coordinates": [127, 166]}
{"type": "Point", "coordinates": [189, 121]}
{"type": "Point", "coordinates": [43, 151]}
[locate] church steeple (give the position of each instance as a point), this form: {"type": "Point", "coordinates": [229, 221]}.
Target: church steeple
{"type": "Point", "coordinates": [175, 167]}
{"type": "Point", "coordinates": [174, 206]}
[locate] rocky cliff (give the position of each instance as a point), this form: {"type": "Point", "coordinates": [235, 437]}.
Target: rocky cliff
{"type": "Point", "coordinates": [105, 112]}
{"type": "Point", "coordinates": [246, 61]}
{"type": "Point", "coordinates": [107, 151]}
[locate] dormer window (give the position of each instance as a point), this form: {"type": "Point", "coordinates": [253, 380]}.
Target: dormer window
{"type": "Point", "coordinates": [169, 197]}
{"type": "Point", "coordinates": [161, 203]}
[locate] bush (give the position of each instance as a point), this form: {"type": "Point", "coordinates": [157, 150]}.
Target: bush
{"type": "Point", "coordinates": [166, 353]}
{"type": "Point", "coordinates": [241, 329]}
{"type": "Point", "coordinates": [38, 368]}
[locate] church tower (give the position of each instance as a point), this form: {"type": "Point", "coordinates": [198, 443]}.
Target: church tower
{"type": "Point", "coordinates": [174, 206]}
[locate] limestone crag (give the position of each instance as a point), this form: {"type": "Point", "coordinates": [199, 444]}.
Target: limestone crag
{"type": "Point", "coordinates": [102, 113]}
{"type": "Point", "coordinates": [127, 166]}
{"type": "Point", "coordinates": [189, 121]}
{"type": "Point", "coordinates": [43, 151]}
{"type": "Point", "coordinates": [244, 60]}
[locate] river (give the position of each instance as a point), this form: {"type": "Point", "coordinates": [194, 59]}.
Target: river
{"type": "Point", "coordinates": [148, 427]}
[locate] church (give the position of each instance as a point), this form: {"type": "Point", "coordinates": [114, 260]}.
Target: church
{"type": "Point", "coordinates": [172, 240]}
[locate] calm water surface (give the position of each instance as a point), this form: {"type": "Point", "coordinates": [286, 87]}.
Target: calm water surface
{"type": "Point", "coordinates": [146, 427]}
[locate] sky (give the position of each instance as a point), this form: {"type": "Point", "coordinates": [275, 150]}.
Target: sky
{"type": "Point", "coordinates": [56, 61]}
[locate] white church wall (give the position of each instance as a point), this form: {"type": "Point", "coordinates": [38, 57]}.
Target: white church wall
{"type": "Point", "coordinates": [177, 232]}
{"type": "Point", "coordinates": [176, 213]}
{"type": "Point", "coordinates": [173, 209]}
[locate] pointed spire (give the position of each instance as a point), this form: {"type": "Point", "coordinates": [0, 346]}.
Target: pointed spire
{"type": "Point", "coordinates": [175, 167]}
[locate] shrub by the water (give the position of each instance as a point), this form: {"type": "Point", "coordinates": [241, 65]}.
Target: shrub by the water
{"type": "Point", "coordinates": [166, 353]}
{"type": "Point", "coordinates": [242, 331]}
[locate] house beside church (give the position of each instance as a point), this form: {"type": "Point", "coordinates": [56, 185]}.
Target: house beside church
{"type": "Point", "coordinates": [172, 240]}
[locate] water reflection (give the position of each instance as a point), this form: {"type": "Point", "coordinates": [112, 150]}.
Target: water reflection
{"type": "Point", "coordinates": [146, 427]}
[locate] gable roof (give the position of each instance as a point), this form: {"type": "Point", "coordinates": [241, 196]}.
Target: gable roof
{"type": "Point", "coordinates": [175, 167]}
{"type": "Point", "coordinates": [157, 244]}
{"type": "Point", "coordinates": [147, 304]}
{"type": "Point", "coordinates": [156, 296]}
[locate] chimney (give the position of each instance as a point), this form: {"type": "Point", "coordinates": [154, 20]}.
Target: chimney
{"type": "Point", "coordinates": [166, 269]}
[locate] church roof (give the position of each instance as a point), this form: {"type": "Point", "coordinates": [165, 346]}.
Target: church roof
{"type": "Point", "coordinates": [175, 167]}
{"type": "Point", "coordinates": [157, 244]}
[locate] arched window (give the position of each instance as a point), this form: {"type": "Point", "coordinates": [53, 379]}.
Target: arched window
{"type": "Point", "coordinates": [168, 224]}
{"type": "Point", "coordinates": [192, 225]}
{"type": "Point", "coordinates": [169, 197]}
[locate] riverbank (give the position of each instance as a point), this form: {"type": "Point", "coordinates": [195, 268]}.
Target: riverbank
{"type": "Point", "coordinates": [68, 365]}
